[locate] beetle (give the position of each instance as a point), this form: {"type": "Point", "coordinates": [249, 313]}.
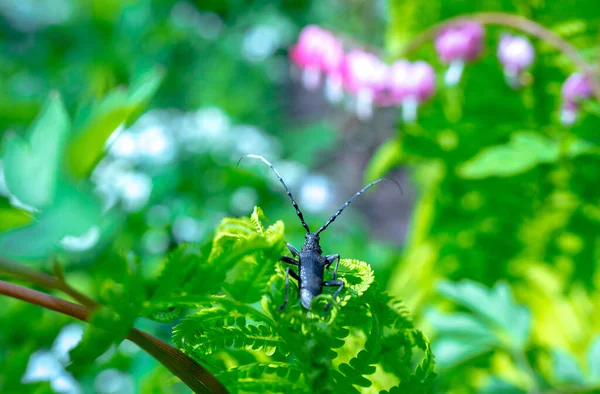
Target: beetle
{"type": "Point", "coordinates": [310, 260]}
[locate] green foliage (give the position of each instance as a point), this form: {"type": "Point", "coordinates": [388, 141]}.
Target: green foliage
{"type": "Point", "coordinates": [121, 301]}
{"type": "Point", "coordinates": [387, 156]}
{"type": "Point", "coordinates": [37, 156]}
{"type": "Point", "coordinates": [12, 217]}
{"type": "Point", "coordinates": [263, 349]}
{"type": "Point", "coordinates": [524, 151]}
{"type": "Point", "coordinates": [493, 320]}
{"type": "Point", "coordinates": [504, 196]}
{"type": "Point", "coordinates": [490, 326]}
{"type": "Point", "coordinates": [95, 124]}
{"type": "Point", "coordinates": [34, 168]}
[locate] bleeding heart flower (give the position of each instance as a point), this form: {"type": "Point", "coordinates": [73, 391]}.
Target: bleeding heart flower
{"type": "Point", "coordinates": [516, 54]}
{"type": "Point", "coordinates": [318, 52]}
{"type": "Point", "coordinates": [575, 89]}
{"type": "Point", "coordinates": [410, 84]}
{"type": "Point", "coordinates": [457, 45]}
{"type": "Point", "coordinates": [363, 75]}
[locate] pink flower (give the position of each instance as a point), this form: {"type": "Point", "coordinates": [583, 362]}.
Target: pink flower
{"type": "Point", "coordinates": [363, 75]}
{"type": "Point", "coordinates": [463, 41]}
{"type": "Point", "coordinates": [575, 89]}
{"type": "Point", "coordinates": [409, 84]}
{"type": "Point", "coordinates": [318, 51]}
{"type": "Point", "coordinates": [411, 80]}
{"type": "Point", "coordinates": [515, 53]}
{"type": "Point", "coordinates": [457, 45]}
{"type": "Point", "coordinates": [363, 71]}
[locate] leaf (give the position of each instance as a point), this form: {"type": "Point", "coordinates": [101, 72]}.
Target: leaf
{"type": "Point", "coordinates": [73, 213]}
{"type": "Point", "coordinates": [387, 156]}
{"type": "Point", "coordinates": [12, 217]}
{"type": "Point", "coordinates": [494, 307]}
{"type": "Point", "coordinates": [262, 377]}
{"type": "Point", "coordinates": [232, 328]}
{"type": "Point", "coordinates": [460, 325]}
{"type": "Point", "coordinates": [180, 265]}
{"type": "Point", "coordinates": [122, 297]}
{"type": "Point", "coordinates": [213, 330]}
{"type": "Point", "coordinates": [96, 125]}
{"type": "Point", "coordinates": [358, 276]}
{"type": "Point", "coordinates": [566, 368]}
{"type": "Point", "coordinates": [593, 359]}
{"type": "Point", "coordinates": [500, 386]}
{"type": "Point", "coordinates": [525, 151]}
{"type": "Point", "coordinates": [250, 251]}
{"type": "Point", "coordinates": [32, 163]}
{"type": "Point", "coordinates": [450, 352]}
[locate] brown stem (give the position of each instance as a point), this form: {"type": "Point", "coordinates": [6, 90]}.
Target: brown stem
{"type": "Point", "coordinates": [516, 22]}
{"type": "Point", "coordinates": [44, 280]}
{"type": "Point", "coordinates": [44, 300]}
{"type": "Point", "coordinates": [184, 367]}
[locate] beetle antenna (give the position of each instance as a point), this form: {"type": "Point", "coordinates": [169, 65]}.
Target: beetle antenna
{"type": "Point", "coordinates": [361, 191]}
{"type": "Point", "coordinates": [289, 193]}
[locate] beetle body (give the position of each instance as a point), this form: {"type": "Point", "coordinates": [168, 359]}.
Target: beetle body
{"type": "Point", "coordinates": [310, 260]}
{"type": "Point", "coordinates": [311, 269]}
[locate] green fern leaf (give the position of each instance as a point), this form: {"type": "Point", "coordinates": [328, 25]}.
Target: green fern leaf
{"type": "Point", "coordinates": [256, 218]}
{"type": "Point", "coordinates": [263, 377]}
{"type": "Point", "coordinates": [244, 257]}
{"type": "Point", "coordinates": [213, 330]}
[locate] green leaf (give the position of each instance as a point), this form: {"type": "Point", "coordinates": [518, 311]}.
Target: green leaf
{"type": "Point", "coordinates": [122, 297]}
{"type": "Point", "coordinates": [32, 164]}
{"type": "Point", "coordinates": [500, 386]}
{"type": "Point", "coordinates": [213, 330]}
{"type": "Point", "coordinates": [73, 214]}
{"type": "Point", "coordinates": [279, 377]}
{"type": "Point", "coordinates": [450, 352]}
{"type": "Point", "coordinates": [593, 359]}
{"type": "Point", "coordinates": [12, 217]}
{"type": "Point", "coordinates": [460, 326]}
{"type": "Point", "coordinates": [525, 151]}
{"type": "Point", "coordinates": [566, 368]}
{"type": "Point", "coordinates": [387, 156]}
{"type": "Point", "coordinates": [96, 125]}
{"type": "Point", "coordinates": [230, 327]}
{"type": "Point", "coordinates": [494, 307]}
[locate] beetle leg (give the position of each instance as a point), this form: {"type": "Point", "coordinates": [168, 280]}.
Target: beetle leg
{"type": "Point", "coordinates": [289, 260]}
{"type": "Point", "coordinates": [293, 250]}
{"type": "Point", "coordinates": [330, 259]}
{"type": "Point", "coordinates": [336, 282]}
{"type": "Point", "coordinates": [288, 272]}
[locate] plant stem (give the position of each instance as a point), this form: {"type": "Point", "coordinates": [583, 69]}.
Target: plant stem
{"type": "Point", "coordinates": [522, 361]}
{"type": "Point", "coordinates": [185, 368]}
{"type": "Point", "coordinates": [44, 280]}
{"type": "Point", "coordinates": [44, 300]}
{"type": "Point", "coordinates": [513, 21]}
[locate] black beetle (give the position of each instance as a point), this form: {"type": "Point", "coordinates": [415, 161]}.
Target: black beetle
{"type": "Point", "coordinates": [310, 260]}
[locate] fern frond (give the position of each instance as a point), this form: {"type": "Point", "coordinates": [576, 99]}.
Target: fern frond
{"type": "Point", "coordinates": [256, 218]}
{"type": "Point", "coordinates": [274, 232]}
{"type": "Point", "coordinates": [282, 370]}
{"type": "Point", "coordinates": [359, 277]}
{"type": "Point", "coordinates": [265, 385]}
{"type": "Point", "coordinates": [353, 373]}
{"type": "Point", "coordinates": [243, 267]}
{"type": "Point", "coordinates": [214, 329]}
{"type": "Point", "coordinates": [178, 267]}
{"type": "Point", "coordinates": [166, 315]}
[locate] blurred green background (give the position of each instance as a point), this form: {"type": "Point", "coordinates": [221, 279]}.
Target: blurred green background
{"type": "Point", "coordinates": [496, 190]}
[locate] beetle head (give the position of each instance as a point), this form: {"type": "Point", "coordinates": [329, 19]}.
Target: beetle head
{"type": "Point", "coordinates": [311, 243]}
